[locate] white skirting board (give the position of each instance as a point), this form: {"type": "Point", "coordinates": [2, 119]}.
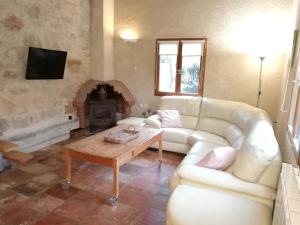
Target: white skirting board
{"type": "Point", "coordinates": [36, 138]}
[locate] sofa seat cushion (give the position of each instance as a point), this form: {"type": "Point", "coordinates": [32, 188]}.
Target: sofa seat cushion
{"type": "Point", "coordinates": [207, 137]}
{"type": "Point", "coordinates": [173, 147]}
{"type": "Point", "coordinates": [176, 135]}
{"type": "Point", "coordinates": [194, 206]}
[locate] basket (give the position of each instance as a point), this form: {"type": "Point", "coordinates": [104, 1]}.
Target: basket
{"type": "Point", "coordinates": [122, 136]}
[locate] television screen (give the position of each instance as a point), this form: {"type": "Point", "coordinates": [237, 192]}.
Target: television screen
{"type": "Point", "coordinates": [45, 64]}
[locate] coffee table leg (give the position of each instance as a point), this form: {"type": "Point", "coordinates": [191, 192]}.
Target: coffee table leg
{"type": "Point", "coordinates": [160, 156]}
{"type": "Point", "coordinates": [68, 165]}
{"type": "Point", "coordinates": [116, 175]}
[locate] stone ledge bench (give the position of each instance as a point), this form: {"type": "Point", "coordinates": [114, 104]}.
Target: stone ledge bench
{"type": "Point", "coordinates": [8, 151]}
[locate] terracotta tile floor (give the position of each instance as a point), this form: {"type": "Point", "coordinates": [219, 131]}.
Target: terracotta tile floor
{"type": "Point", "coordinates": [31, 194]}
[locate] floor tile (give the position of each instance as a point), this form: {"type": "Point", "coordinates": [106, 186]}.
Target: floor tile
{"type": "Point", "coordinates": [44, 203]}
{"type": "Point", "coordinates": [55, 219]}
{"type": "Point", "coordinates": [11, 199]}
{"type": "Point", "coordinates": [135, 197]}
{"type": "Point", "coordinates": [20, 216]}
{"type": "Point", "coordinates": [151, 216]}
{"type": "Point", "coordinates": [83, 207]}
{"type": "Point", "coordinates": [158, 201]}
{"type": "Point", "coordinates": [81, 181]}
{"type": "Point", "coordinates": [102, 186]}
{"type": "Point", "coordinates": [14, 177]}
{"type": "Point", "coordinates": [144, 184]}
{"type": "Point", "coordinates": [48, 178]}
{"type": "Point", "coordinates": [58, 192]}
{"type": "Point", "coordinates": [141, 162]}
{"type": "Point", "coordinates": [30, 188]}
{"type": "Point", "coordinates": [5, 187]}
{"type": "Point", "coordinates": [36, 168]}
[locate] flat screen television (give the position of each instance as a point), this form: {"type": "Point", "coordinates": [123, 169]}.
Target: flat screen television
{"type": "Point", "coordinates": [45, 64]}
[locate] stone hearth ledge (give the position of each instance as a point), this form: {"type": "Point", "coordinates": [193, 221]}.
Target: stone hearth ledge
{"type": "Point", "coordinates": [41, 135]}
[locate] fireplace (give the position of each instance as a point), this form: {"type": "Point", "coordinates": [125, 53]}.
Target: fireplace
{"type": "Point", "coordinates": [102, 114]}
{"type": "Point", "coordinates": [97, 113]}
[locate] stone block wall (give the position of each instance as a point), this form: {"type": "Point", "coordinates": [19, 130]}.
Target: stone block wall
{"type": "Point", "coordinates": [53, 24]}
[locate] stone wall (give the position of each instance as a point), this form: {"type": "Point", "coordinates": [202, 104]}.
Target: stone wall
{"type": "Point", "coordinates": [53, 24]}
{"type": "Point", "coordinates": [233, 28]}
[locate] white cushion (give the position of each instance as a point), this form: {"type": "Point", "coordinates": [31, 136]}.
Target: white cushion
{"type": "Point", "coordinates": [207, 137]}
{"type": "Point", "coordinates": [196, 206]}
{"type": "Point", "coordinates": [176, 135]}
{"type": "Point", "coordinates": [132, 121]}
{"type": "Point", "coordinates": [153, 121]}
{"type": "Point", "coordinates": [169, 118]}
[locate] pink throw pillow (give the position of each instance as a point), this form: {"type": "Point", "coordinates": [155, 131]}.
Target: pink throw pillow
{"type": "Point", "coordinates": [219, 158]}
{"type": "Point", "coordinates": [169, 118]}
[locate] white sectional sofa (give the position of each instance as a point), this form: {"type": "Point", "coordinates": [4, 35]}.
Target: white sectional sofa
{"type": "Point", "coordinates": [209, 123]}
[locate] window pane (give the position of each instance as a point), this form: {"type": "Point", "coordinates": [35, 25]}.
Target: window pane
{"type": "Point", "coordinates": [168, 49]}
{"type": "Point", "coordinates": [191, 49]}
{"type": "Point", "coordinates": [190, 73]}
{"type": "Point", "coordinates": [167, 73]}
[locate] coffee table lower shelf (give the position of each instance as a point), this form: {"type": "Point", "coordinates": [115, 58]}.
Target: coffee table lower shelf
{"type": "Point", "coordinates": [113, 163]}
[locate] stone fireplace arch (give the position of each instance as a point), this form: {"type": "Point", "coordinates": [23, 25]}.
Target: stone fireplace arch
{"type": "Point", "coordinates": [90, 85]}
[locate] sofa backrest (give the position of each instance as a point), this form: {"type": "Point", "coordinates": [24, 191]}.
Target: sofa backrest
{"type": "Point", "coordinates": [250, 130]}
{"type": "Point", "coordinates": [187, 106]}
{"type": "Point", "coordinates": [216, 116]}
{"type": "Point", "coordinates": [257, 154]}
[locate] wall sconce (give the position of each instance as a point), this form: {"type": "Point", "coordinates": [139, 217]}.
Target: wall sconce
{"type": "Point", "coordinates": [129, 36]}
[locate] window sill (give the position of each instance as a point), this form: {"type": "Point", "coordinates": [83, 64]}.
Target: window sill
{"type": "Point", "coordinates": [174, 94]}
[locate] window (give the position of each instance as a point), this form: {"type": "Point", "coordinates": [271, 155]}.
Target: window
{"type": "Point", "coordinates": [294, 116]}
{"type": "Point", "coordinates": [180, 66]}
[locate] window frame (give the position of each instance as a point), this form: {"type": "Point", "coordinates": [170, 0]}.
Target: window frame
{"type": "Point", "coordinates": [177, 92]}
{"type": "Point", "coordinates": [294, 113]}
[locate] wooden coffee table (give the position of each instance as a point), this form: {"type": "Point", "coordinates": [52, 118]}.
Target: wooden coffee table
{"type": "Point", "coordinates": [95, 149]}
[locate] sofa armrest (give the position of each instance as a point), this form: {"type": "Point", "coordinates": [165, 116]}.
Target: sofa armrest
{"type": "Point", "coordinates": [153, 121]}
{"type": "Point", "coordinates": [225, 181]}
